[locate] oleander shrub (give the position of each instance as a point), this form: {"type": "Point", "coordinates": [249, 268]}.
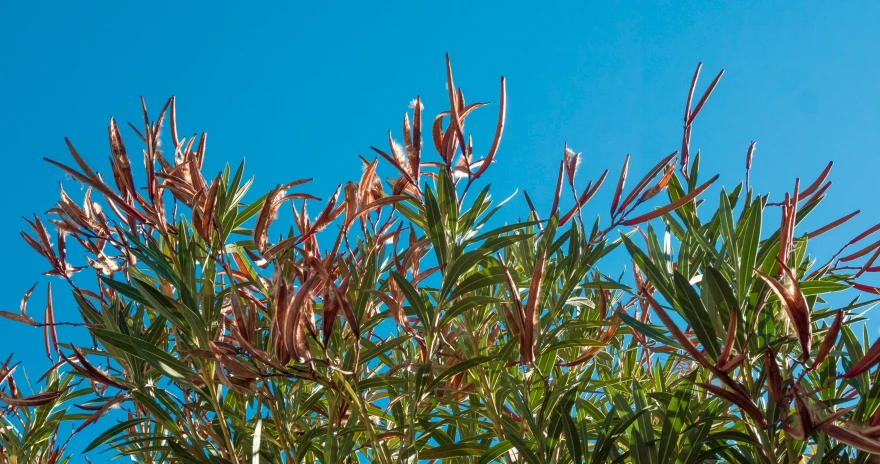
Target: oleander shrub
{"type": "Point", "coordinates": [407, 317]}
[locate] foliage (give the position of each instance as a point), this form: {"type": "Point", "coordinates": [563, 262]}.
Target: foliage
{"type": "Point", "coordinates": [428, 332]}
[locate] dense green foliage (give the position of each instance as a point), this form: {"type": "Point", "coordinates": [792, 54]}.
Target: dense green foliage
{"type": "Point", "coordinates": [422, 329]}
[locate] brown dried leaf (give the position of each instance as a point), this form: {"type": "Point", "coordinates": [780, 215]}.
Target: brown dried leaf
{"type": "Point", "coordinates": [393, 302]}
{"type": "Point", "coordinates": [101, 411]}
{"type": "Point", "coordinates": [585, 356]}
{"type": "Point", "coordinates": [18, 318]}
{"type": "Point", "coordinates": [80, 161]}
{"type": "Point", "coordinates": [331, 310]}
{"type": "Point", "coordinates": [774, 378]}
{"type": "Point", "coordinates": [671, 206]}
{"type": "Point", "coordinates": [499, 130]}
{"type": "Point", "coordinates": [690, 98]}
{"type": "Point", "coordinates": [803, 423]}
{"type": "Point", "coordinates": [351, 201]}
{"type": "Point", "coordinates": [6, 376]}
{"type": "Point", "coordinates": [532, 207]}
{"type": "Point", "coordinates": [416, 136]}
{"type": "Point", "coordinates": [294, 327]}
{"type": "Point", "coordinates": [121, 164]}
{"type": "Point", "coordinates": [737, 398]}
{"type": "Point", "coordinates": [367, 180]}
{"type": "Point", "coordinates": [518, 313]}
{"type": "Point", "coordinates": [868, 264]}
{"type": "Point", "coordinates": [100, 186]}
{"type": "Point", "coordinates": [851, 438]}
{"type": "Point", "coordinates": [795, 305]}
{"type": "Point", "coordinates": [621, 181]}
{"type": "Point", "coordinates": [815, 185]}
{"type": "Point", "coordinates": [686, 135]}
{"type": "Point", "coordinates": [208, 212]}
{"type": "Point", "coordinates": [706, 94]}
{"type": "Point", "coordinates": [864, 234]}
{"type": "Point", "coordinates": [24, 300]}
{"type": "Point", "coordinates": [326, 216]}
{"type": "Point", "coordinates": [679, 336]}
{"type": "Point", "coordinates": [558, 192]}
{"type": "Point", "coordinates": [584, 198]}
{"type": "Point", "coordinates": [871, 358]}
{"type": "Point", "coordinates": [829, 340]}
{"type": "Point", "coordinates": [832, 225]}
{"type": "Point", "coordinates": [348, 313]}
{"type": "Point", "coordinates": [532, 315]}
{"type": "Point", "coordinates": [456, 117]}
{"type": "Point", "coordinates": [49, 331]}
{"type": "Point", "coordinates": [389, 200]}
{"type": "Point", "coordinates": [93, 372]}
{"type": "Point", "coordinates": [257, 353]}
{"type": "Point", "coordinates": [861, 252]}
{"type": "Point", "coordinates": [731, 337]}
{"type": "Point", "coordinates": [30, 401]}
{"type": "Point", "coordinates": [264, 218]}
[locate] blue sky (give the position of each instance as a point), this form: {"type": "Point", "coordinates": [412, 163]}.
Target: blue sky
{"type": "Point", "coordinates": [301, 90]}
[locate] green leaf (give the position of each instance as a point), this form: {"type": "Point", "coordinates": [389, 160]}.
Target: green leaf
{"type": "Point", "coordinates": [749, 235]}
{"type": "Point", "coordinates": [703, 243]}
{"type": "Point", "coordinates": [480, 204]}
{"type": "Point", "coordinates": [249, 211]}
{"type": "Point", "coordinates": [603, 446]}
{"type": "Point", "coordinates": [496, 243]}
{"type": "Point", "coordinates": [697, 316]}
{"type": "Point", "coordinates": [415, 300]}
{"type": "Point", "coordinates": [485, 278]}
{"type": "Point", "coordinates": [461, 306]}
{"type": "Point", "coordinates": [112, 432]}
{"type": "Point", "coordinates": [821, 287]}
{"type": "Point", "coordinates": [574, 343]}
{"type": "Point", "coordinates": [728, 235]}
{"type": "Point", "coordinates": [605, 285]}
{"type": "Point", "coordinates": [460, 266]}
{"type": "Point", "coordinates": [380, 348]}
{"type": "Point", "coordinates": [655, 275]}
{"type": "Point", "coordinates": [446, 194]}
{"type": "Point", "coordinates": [648, 330]}
{"type": "Point", "coordinates": [718, 287]}
{"type": "Point", "coordinates": [165, 362]}
{"type": "Point", "coordinates": [501, 230]}
{"type": "Point", "coordinates": [116, 340]}
{"type": "Point", "coordinates": [452, 450]}
{"type": "Point", "coordinates": [458, 368]}
{"type": "Point", "coordinates": [416, 216]}
{"type": "Point", "coordinates": [523, 449]}
{"type": "Point", "coordinates": [435, 228]}
{"type": "Point", "coordinates": [159, 359]}
{"type": "Point", "coordinates": [675, 419]}
{"type": "Point", "coordinates": [643, 429]}
{"type": "Point", "coordinates": [573, 440]}
{"type": "Point", "coordinates": [495, 452]}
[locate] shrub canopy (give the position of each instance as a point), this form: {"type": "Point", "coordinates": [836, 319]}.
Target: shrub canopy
{"type": "Point", "coordinates": [401, 323]}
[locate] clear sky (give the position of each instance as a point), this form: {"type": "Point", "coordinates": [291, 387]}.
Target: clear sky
{"type": "Point", "coordinates": [301, 90]}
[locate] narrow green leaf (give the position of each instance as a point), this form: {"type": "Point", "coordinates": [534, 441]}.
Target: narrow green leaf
{"type": "Point", "coordinates": [415, 300]}
{"type": "Point", "coordinates": [436, 229]}
{"type": "Point", "coordinates": [675, 419]}
{"type": "Point", "coordinates": [452, 450]}
{"type": "Point", "coordinates": [656, 276]}
{"type": "Point", "coordinates": [112, 432]}
{"type": "Point", "coordinates": [655, 332]}
{"type": "Point", "coordinates": [697, 315]}
{"type": "Point", "coordinates": [749, 236]}
{"type": "Point", "coordinates": [495, 452]}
